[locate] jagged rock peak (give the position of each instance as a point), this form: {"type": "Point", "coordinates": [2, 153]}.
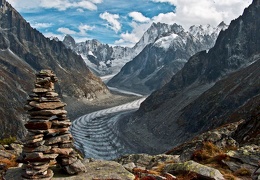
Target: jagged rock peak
{"type": "Point", "coordinates": [69, 41]}
{"type": "Point", "coordinates": [222, 25]}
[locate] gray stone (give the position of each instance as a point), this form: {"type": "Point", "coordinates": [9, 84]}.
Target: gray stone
{"type": "Point", "coordinates": [129, 166]}
{"type": "Point", "coordinates": [191, 166]}
{"type": "Point", "coordinates": [247, 154]}
{"type": "Point", "coordinates": [244, 157]}
{"type": "Point", "coordinates": [35, 144]}
{"type": "Point", "coordinates": [5, 154]}
{"type": "Point", "coordinates": [68, 160]}
{"type": "Point", "coordinates": [57, 139]}
{"type": "Point", "coordinates": [42, 148]}
{"type": "Point", "coordinates": [75, 168]}
{"type": "Point", "coordinates": [18, 148]}
{"type": "Point", "coordinates": [148, 161]}
{"type": "Point", "coordinates": [39, 157]}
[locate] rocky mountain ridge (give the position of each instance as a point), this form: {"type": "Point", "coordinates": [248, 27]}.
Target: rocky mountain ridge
{"type": "Point", "coordinates": [213, 88]}
{"type": "Point", "coordinates": [168, 49]}
{"type": "Point", "coordinates": [23, 51]}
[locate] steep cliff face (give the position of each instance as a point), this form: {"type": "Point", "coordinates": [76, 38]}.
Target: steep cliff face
{"type": "Point", "coordinates": [168, 50]}
{"type": "Point", "coordinates": [23, 51]}
{"type": "Point", "coordinates": [213, 88]}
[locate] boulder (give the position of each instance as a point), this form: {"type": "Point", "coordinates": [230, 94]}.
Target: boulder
{"type": "Point", "coordinates": [192, 166]}
{"type": "Point", "coordinates": [75, 167]}
{"type": "Point", "coordinates": [245, 157]}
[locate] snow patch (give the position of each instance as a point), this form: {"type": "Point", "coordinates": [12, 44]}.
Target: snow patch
{"type": "Point", "coordinates": [165, 42]}
{"type": "Point", "coordinates": [91, 54]}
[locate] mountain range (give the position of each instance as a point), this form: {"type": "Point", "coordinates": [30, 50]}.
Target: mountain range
{"type": "Point", "coordinates": [23, 52]}
{"type": "Point", "coordinates": [168, 48]}
{"type": "Point", "coordinates": [214, 87]}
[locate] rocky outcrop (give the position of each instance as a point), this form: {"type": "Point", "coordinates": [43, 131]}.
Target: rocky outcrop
{"type": "Point", "coordinates": [95, 170]}
{"type": "Point", "coordinates": [48, 137]}
{"type": "Point", "coordinates": [211, 155]}
{"type": "Point", "coordinates": [23, 51]}
{"type": "Point", "coordinates": [212, 89]}
{"type": "Point", "coordinates": [8, 155]}
{"type": "Point", "coordinates": [203, 171]}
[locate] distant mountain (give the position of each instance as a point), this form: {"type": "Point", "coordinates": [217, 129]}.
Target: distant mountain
{"type": "Point", "coordinates": [24, 51]}
{"type": "Point", "coordinates": [104, 59]}
{"type": "Point", "coordinates": [101, 58]}
{"type": "Point", "coordinates": [167, 49]}
{"type": "Point", "coordinates": [213, 88]}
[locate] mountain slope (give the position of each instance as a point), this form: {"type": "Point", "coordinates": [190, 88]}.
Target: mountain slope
{"type": "Point", "coordinates": [168, 51]}
{"type": "Point", "coordinates": [23, 51]}
{"type": "Point", "coordinates": [213, 88]}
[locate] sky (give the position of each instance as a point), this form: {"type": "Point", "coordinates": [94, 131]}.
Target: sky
{"type": "Point", "coordinates": [122, 22]}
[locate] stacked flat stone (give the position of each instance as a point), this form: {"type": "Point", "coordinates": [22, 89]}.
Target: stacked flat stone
{"type": "Point", "coordinates": [48, 140]}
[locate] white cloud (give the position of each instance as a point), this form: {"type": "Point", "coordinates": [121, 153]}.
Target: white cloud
{"type": "Point", "coordinates": [83, 28]}
{"type": "Point", "coordinates": [41, 25]}
{"type": "Point", "coordinates": [84, 5]}
{"type": "Point", "coordinates": [66, 30]}
{"type": "Point", "coordinates": [187, 13]}
{"type": "Point", "coordinates": [61, 5]}
{"type": "Point", "coordinates": [25, 5]}
{"type": "Point", "coordinates": [139, 17]}
{"type": "Point", "coordinates": [97, 1]}
{"type": "Point", "coordinates": [112, 20]}
{"type": "Point", "coordinates": [190, 12]}
{"type": "Point", "coordinates": [80, 10]}
{"type": "Point", "coordinates": [130, 39]}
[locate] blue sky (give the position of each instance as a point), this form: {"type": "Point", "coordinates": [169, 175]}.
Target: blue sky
{"type": "Point", "coordinates": [121, 22]}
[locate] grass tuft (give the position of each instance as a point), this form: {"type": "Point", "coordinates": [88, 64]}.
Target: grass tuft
{"type": "Point", "coordinates": [8, 141]}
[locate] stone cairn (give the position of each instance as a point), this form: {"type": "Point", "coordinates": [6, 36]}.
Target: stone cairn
{"type": "Point", "coordinates": [48, 141]}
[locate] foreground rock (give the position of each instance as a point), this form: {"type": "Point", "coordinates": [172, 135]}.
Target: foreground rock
{"type": "Point", "coordinates": [94, 170]}
{"type": "Point", "coordinates": [203, 171]}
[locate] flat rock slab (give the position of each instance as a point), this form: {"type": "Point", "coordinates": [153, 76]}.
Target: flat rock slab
{"type": "Point", "coordinates": [99, 170]}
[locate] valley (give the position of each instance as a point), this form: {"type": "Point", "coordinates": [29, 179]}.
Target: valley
{"type": "Point", "coordinates": [97, 134]}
